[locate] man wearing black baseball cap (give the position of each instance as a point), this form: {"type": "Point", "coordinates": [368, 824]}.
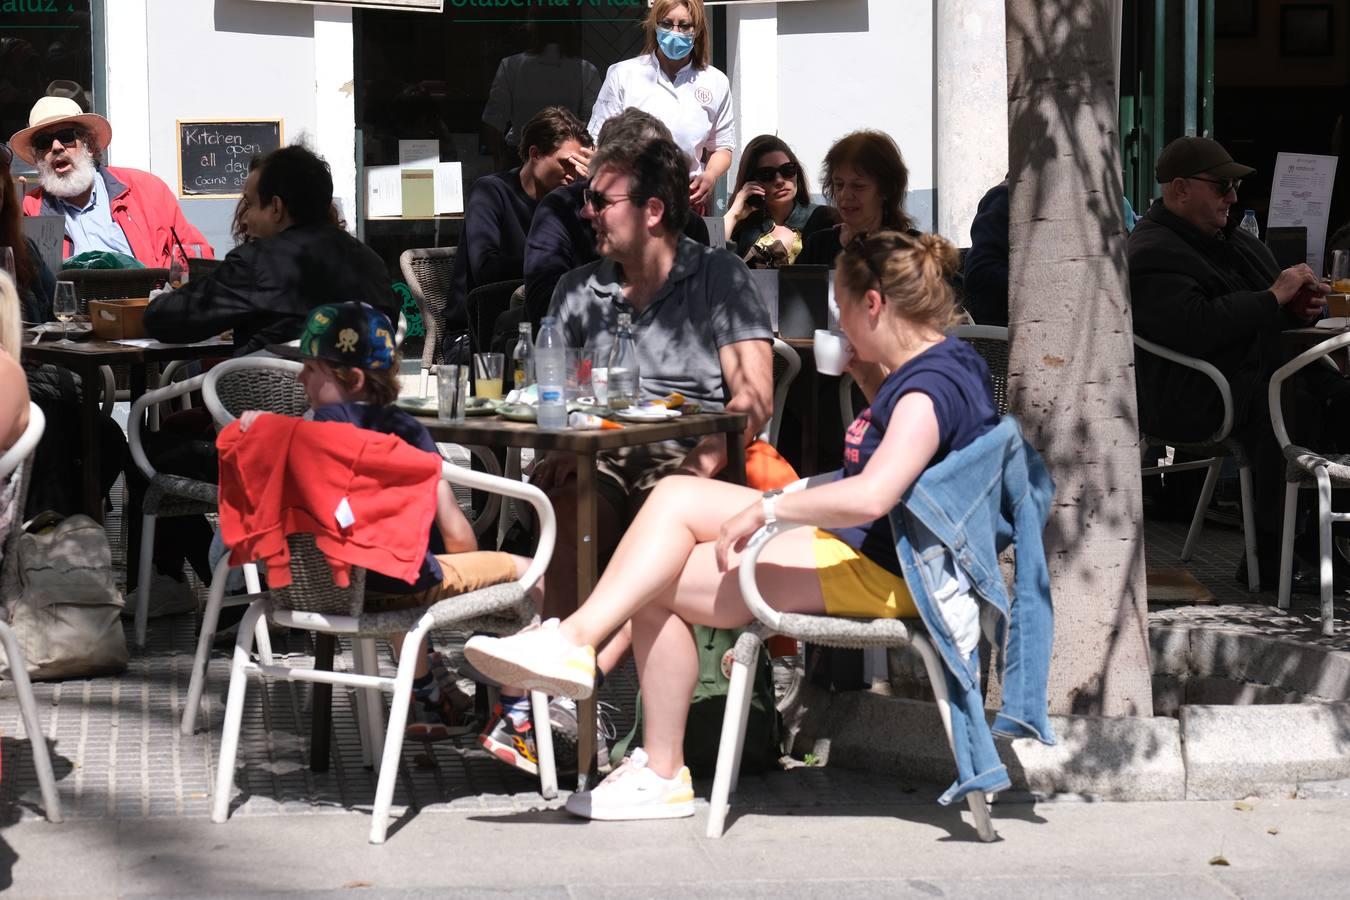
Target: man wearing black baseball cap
{"type": "Point", "coordinates": [1207, 289]}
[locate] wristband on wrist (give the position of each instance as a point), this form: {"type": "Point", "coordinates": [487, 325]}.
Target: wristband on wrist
{"type": "Point", "coordinates": [769, 504]}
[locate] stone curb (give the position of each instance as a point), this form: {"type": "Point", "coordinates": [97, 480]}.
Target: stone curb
{"type": "Point", "coordinates": [1211, 753]}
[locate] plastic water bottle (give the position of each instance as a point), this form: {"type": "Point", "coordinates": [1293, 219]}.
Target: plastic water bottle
{"type": "Point", "coordinates": [522, 359]}
{"type": "Point", "coordinates": [625, 375]}
{"type": "Point", "coordinates": [550, 359]}
{"type": "Point", "coordinates": [1249, 224]}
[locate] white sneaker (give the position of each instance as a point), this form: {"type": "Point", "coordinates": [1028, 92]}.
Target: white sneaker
{"type": "Point", "coordinates": [634, 791]}
{"type": "Point", "coordinates": [537, 659]}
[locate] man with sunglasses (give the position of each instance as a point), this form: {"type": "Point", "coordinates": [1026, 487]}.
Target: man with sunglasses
{"type": "Point", "coordinates": [1204, 287]}
{"type": "Point", "coordinates": [110, 209]}
{"type": "Point", "coordinates": [700, 327]}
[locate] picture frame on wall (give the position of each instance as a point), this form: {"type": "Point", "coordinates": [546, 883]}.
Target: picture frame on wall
{"type": "Point", "coordinates": [1307, 30]}
{"type": "Point", "coordinates": [1235, 18]}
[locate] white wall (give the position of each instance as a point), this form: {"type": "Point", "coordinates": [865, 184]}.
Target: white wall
{"type": "Point", "coordinates": [226, 59]}
{"type": "Point", "coordinates": [842, 65]}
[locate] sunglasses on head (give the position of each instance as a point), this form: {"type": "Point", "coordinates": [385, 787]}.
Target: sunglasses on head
{"type": "Point", "coordinates": [1224, 185]}
{"type": "Point", "coordinates": [599, 202]}
{"type": "Point", "coordinates": [788, 170]}
{"type": "Point", "coordinates": [42, 141]}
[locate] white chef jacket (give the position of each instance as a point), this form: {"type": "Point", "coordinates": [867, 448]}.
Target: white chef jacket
{"type": "Point", "coordinates": [696, 106]}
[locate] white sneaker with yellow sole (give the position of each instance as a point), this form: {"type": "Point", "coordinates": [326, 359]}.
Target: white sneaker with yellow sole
{"type": "Point", "coordinates": [634, 791]}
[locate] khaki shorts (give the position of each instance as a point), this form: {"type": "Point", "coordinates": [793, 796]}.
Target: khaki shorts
{"type": "Point", "coordinates": [627, 475]}
{"type": "Point", "coordinates": [460, 574]}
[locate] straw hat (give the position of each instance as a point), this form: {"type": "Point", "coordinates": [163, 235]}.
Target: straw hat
{"type": "Point", "coordinates": [50, 112]}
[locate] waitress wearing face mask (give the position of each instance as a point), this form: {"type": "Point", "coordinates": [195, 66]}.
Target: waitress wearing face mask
{"type": "Point", "coordinates": [673, 81]}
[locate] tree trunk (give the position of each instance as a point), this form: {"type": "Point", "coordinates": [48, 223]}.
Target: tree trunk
{"type": "Point", "coordinates": [1071, 373]}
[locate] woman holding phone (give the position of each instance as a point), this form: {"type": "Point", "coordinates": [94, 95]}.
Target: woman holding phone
{"type": "Point", "coordinates": [772, 205]}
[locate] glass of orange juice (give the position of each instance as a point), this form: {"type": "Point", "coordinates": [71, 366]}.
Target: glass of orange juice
{"type": "Point", "coordinates": [487, 375]}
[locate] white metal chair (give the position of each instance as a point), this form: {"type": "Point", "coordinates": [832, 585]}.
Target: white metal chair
{"type": "Point", "coordinates": [787, 363]}
{"type": "Point", "coordinates": [314, 604]}
{"type": "Point", "coordinates": [270, 384]}
{"type": "Point", "coordinates": [12, 465]}
{"type": "Point", "coordinates": [1308, 468]}
{"type": "Point", "coordinates": [824, 630]}
{"type": "Point", "coordinates": [1215, 447]}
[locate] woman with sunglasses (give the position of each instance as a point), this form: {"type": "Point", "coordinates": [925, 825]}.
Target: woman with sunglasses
{"type": "Point", "coordinates": [33, 280]}
{"type": "Point", "coordinates": [772, 204]}
{"type": "Point", "coordinates": [866, 179]}
{"type": "Point", "coordinates": [672, 80]}
{"type": "Point", "coordinates": [895, 307]}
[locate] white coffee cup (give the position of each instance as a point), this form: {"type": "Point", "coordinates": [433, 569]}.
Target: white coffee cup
{"type": "Point", "coordinates": [833, 352]}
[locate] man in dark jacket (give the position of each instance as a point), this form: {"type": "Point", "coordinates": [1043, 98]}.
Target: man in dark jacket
{"type": "Point", "coordinates": [298, 260]}
{"type": "Point", "coordinates": [1207, 289]}
{"type": "Point", "coordinates": [985, 266]}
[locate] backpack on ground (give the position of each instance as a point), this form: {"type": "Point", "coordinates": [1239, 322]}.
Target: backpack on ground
{"type": "Point", "coordinates": [703, 728]}
{"type": "Point", "coordinates": [67, 615]}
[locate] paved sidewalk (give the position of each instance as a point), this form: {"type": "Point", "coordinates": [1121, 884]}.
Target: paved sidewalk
{"type": "Point", "coordinates": [903, 848]}
{"type": "Point", "coordinates": [136, 795]}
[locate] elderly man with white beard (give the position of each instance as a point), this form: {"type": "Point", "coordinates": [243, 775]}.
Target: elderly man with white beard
{"type": "Point", "coordinates": [112, 209]}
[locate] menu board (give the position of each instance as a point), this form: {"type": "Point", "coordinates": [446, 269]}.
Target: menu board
{"type": "Point", "coordinates": [1301, 195]}
{"type": "Point", "coordinates": [214, 155]}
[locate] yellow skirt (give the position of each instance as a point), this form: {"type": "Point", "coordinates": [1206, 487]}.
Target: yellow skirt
{"type": "Point", "coordinates": [855, 586]}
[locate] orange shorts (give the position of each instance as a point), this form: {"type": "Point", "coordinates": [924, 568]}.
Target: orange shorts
{"type": "Point", "coordinates": [460, 574]}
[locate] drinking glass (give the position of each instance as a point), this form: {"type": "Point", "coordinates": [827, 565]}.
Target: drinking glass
{"type": "Point", "coordinates": [65, 306]}
{"type": "Point", "coordinates": [178, 273]}
{"type": "Point", "coordinates": [577, 375]}
{"type": "Point", "coordinates": [487, 375]}
{"type": "Point", "coordinates": [1340, 269]}
{"type": "Point", "coordinates": [452, 386]}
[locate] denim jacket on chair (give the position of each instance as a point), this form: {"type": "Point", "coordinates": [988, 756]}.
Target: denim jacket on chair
{"type": "Point", "coordinates": [956, 518]}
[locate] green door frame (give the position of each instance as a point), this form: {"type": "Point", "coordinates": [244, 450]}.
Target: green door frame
{"type": "Point", "coordinates": [1167, 84]}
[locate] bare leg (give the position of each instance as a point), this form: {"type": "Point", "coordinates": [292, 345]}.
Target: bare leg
{"type": "Point", "coordinates": [682, 512]}
{"type": "Point", "coordinates": [608, 657]}
{"type": "Point", "coordinates": [663, 643]}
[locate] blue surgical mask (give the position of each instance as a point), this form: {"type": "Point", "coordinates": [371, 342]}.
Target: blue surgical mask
{"type": "Point", "coordinates": [674, 45]}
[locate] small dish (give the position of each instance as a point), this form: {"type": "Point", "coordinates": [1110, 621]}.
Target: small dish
{"type": "Point", "coordinates": [418, 406]}
{"type": "Point", "coordinates": [646, 414]}
{"type": "Point", "coordinates": [481, 406]}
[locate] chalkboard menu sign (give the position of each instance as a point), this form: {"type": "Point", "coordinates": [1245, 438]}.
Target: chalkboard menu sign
{"type": "Point", "coordinates": [213, 155]}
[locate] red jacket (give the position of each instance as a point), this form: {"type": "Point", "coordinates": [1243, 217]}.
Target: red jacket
{"type": "Point", "coordinates": [288, 476]}
{"type": "Point", "coordinates": [144, 208]}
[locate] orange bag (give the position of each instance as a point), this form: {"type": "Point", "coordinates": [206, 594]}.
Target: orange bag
{"type": "Point", "coordinates": [766, 469]}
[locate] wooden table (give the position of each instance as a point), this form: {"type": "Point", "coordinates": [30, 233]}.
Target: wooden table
{"type": "Point", "coordinates": [84, 358]}
{"type": "Point", "coordinates": [490, 431]}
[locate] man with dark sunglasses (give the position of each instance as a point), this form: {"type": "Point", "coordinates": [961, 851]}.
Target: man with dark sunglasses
{"type": "Point", "coordinates": [1204, 287]}
{"type": "Point", "coordinates": [118, 209]}
{"type": "Point", "coordinates": [700, 328]}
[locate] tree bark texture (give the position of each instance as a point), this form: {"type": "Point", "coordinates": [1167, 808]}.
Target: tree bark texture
{"type": "Point", "coordinates": [1071, 373]}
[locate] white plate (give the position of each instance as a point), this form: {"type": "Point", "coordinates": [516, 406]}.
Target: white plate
{"type": "Point", "coordinates": [646, 414]}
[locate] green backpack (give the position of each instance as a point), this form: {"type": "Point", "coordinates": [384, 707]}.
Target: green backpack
{"type": "Point", "coordinates": [703, 729]}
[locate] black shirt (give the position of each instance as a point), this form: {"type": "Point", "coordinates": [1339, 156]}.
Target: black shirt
{"type": "Point", "coordinates": [492, 247]}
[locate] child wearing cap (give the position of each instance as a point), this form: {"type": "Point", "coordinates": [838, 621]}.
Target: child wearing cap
{"type": "Point", "coordinates": [349, 376]}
